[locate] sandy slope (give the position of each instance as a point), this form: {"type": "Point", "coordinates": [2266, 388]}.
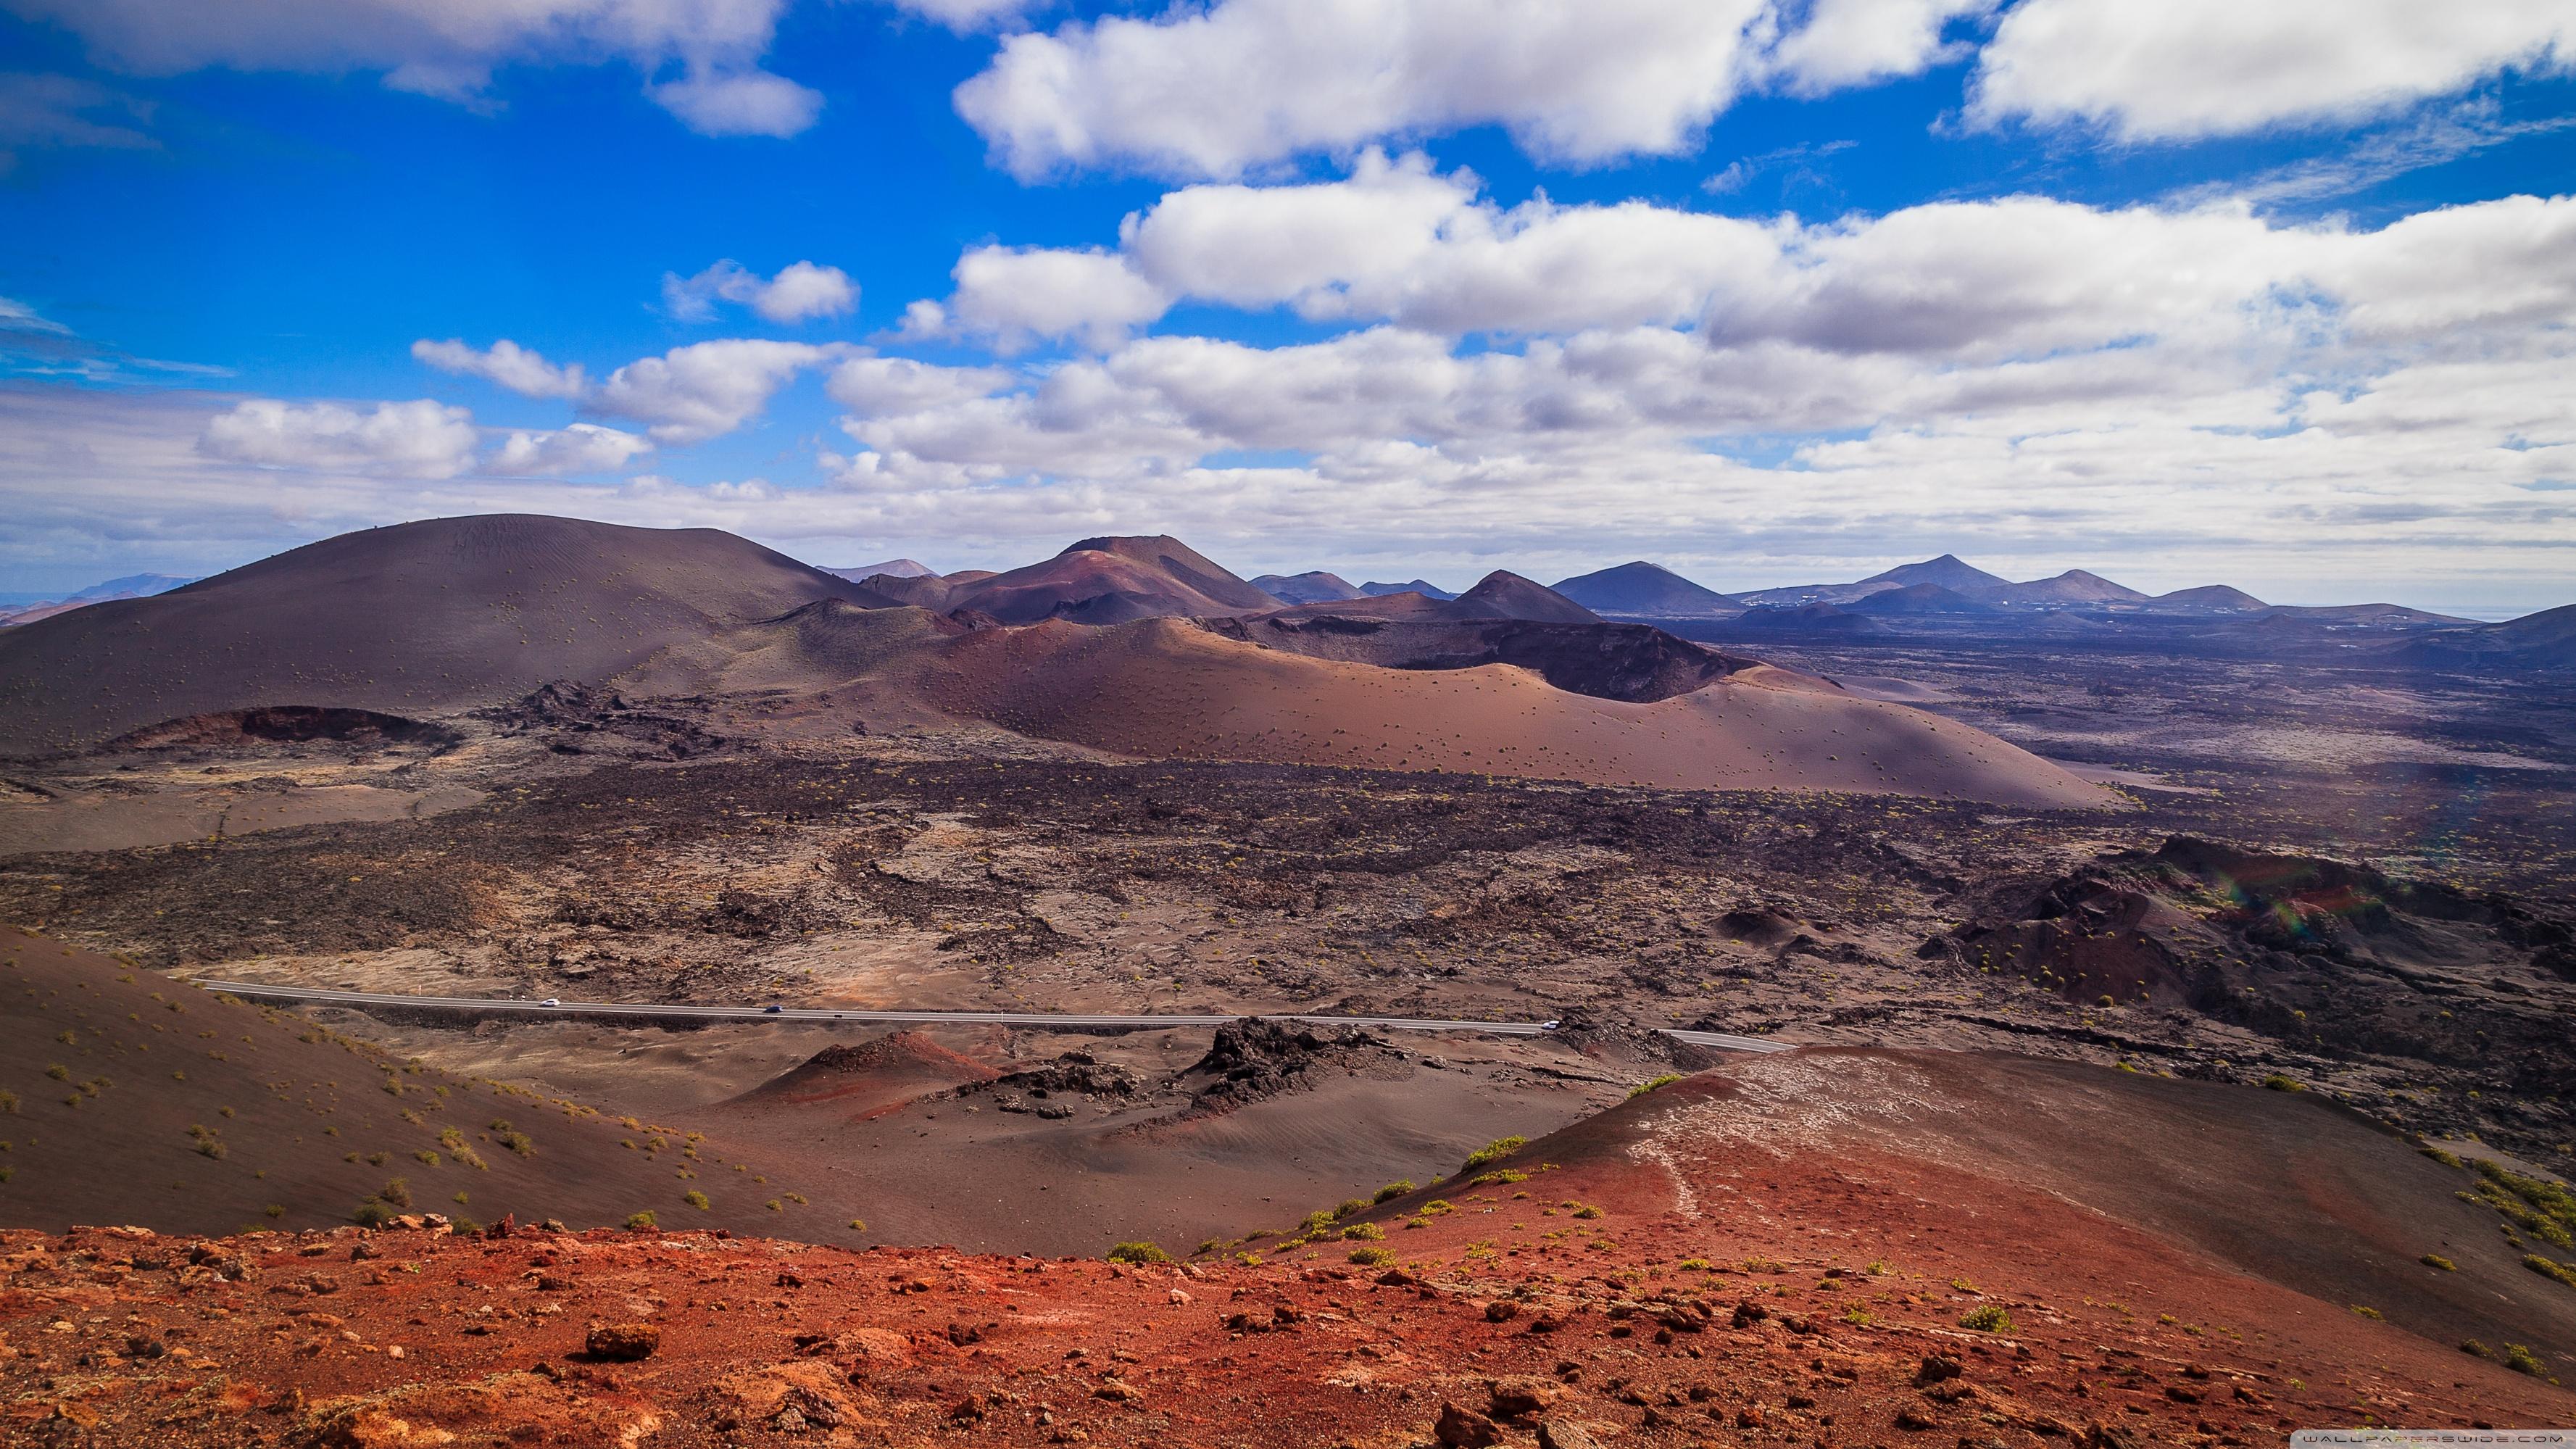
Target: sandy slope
{"type": "Point", "coordinates": [312, 1124]}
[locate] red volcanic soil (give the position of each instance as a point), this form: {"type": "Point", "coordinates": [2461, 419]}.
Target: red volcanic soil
{"type": "Point", "coordinates": [1110, 581]}
{"type": "Point", "coordinates": [1164, 689]}
{"type": "Point", "coordinates": [128, 1098]}
{"type": "Point", "coordinates": [1780, 1253]}
{"type": "Point", "coordinates": [415, 617]}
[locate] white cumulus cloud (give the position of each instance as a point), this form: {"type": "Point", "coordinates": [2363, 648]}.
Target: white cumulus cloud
{"type": "Point", "coordinates": [520, 369]}
{"type": "Point", "coordinates": [1013, 296]}
{"type": "Point", "coordinates": [421, 439]}
{"type": "Point", "coordinates": [706, 389]}
{"type": "Point", "coordinates": [800, 290]}
{"type": "Point", "coordinates": [580, 448]}
{"type": "Point", "coordinates": [2185, 69]}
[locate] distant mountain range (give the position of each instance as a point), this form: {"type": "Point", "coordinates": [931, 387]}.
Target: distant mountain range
{"type": "Point", "coordinates": [132, 586]}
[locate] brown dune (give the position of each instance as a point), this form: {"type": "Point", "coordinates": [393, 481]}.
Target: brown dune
{"type": "Point", "coordinates": [1111, 581]}
{"type": "Point", "coordinates": [1168, 689]}
{"type": "Point", "coordinates": [129, 1098]}
{"type": "Point", "coordinates": [419, 616]}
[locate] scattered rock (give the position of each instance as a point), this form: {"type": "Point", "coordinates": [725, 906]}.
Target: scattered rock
{"type": "Point", "coordinates": [623, 1342]}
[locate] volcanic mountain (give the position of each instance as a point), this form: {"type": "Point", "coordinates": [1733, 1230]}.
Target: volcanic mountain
{"type": "Point", "coordinates": [2546, 640]}
{"type": "Point", "coordinates": [441, 614]}
{"type": "Point", "coordinates": [2209, 598]}
{"type": "Point", "coordinates": [1374, 589]}
{"type": "Point", "coordinates": [1113, 581]}
{"type": "Point", "coordinates": [1316, 587]}
{"type": "Point", "coordinates": [1918, 599]}
{"type": "Point", "coordinates": [1948, 571]}
{"type": "Point", "coordinates": [1645, 590]}
{"type": "Point", "coordinates": [2075, 586]}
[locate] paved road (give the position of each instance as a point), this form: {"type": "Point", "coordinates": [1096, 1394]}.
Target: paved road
{"type": "Point", "coordinates": [504, 1005]}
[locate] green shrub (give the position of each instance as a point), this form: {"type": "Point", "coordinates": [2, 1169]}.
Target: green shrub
{"type": "Point", "coordinates": [1138, 1253]}
{"type": "Point", "coordinates": [1371, 1257]}
{"type": "Point", "coordinates": [2438, 1155]}
{"type": "Point", "coordinates": [2523, 1361]}
{"type": "Point", "coordinates": [638, 1222]}
{"type": "Point", "coordinates": [1437, 1206]}
{"type": "Point", "coordinates": [2279, 1083]}
{"type": "Point", "coordinates": [1987, 1318]}
{"type": "Point", "coordinates": [1388, 1193]}
{"type": "Point", "coordinates": [373, 1213]}
{"type": "Point", "coordinates": [2436, 1260]}
{"type": "Point", "coordinates": [1587, 1211]}
{"type": "Point", "coordinates": [1651, 1083]}
{"type": "Point", "coordinates": [695, 1199]}
{"type": "Point", "coordinates": [2547, 1269]}
{"type": "Point", "coordinates": [1352, 1207]}
{"type": "Point", "coordinates": [1365, 1232]}
{"type": "Point", "coordinates": [397, 1192]}
{"type": "Point", "coordinates": [1493, 1152]}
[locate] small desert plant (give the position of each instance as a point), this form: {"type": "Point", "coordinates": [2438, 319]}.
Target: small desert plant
{"type": "Point", "coordinates": [2436, 1260]}
{"type": "Point", "coordinates": [695, 1199]}
{"type": "Point", "coordinates": [1371, 1257]}
{"type": "Point", "coordinates": [639, 1222]}
{"type": "Point", "coordinates": [275, 1210]}
{"type": "Point", "coordinates": [1651, 1083]}
{"type": "Point", "coordinates": [2523, 1361]}
{"type": "Point", "coordinates": [373, 1213]}
{"type": "Point", "coordinates": [1437, 1206]}
{"type": "Point", "coordinates": [1365, 1232]}
{"type": "Point", "coordinates": [1138, 1253]}
{"type": "Point", "coordinates": [397, 1192]}
{"type": "Point", "coordinates": [1587, 1210]}
{"type": "Point", "coordinates": [8, 1101]}
{"type": "Point", "coordinates": [2547, 1269]}
{"type": "Point", "coordinates": [1987, 1318]}
{"type": "Point", "coordinates": [1352, 1207]}
{"type": "Point", "coordinates": [2364, 1310]}
{"type": "Point", "coordinates": [1388, 1193]}
{"type": "Point", "coordinates": [2279, 1083]}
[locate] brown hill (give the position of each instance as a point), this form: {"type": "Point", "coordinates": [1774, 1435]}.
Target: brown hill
{"type": "Point", "coordinates": [863, 1080]}
{"type": "Point", "coordinates": [129, 1098]}
{"type": "Point", "coordinates": [1113, 581]}
{"type": "Point", "coordinates": [421, 616]}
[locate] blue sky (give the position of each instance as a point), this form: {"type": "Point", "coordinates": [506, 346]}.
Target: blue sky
{"type": "Point", "coordinates": [1770, 292]}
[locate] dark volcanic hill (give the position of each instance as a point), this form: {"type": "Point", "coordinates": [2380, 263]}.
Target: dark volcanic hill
{"type": "Point", "coordinates": [2075, 586]}
{"type": "Point", "coordinates": [1919, 599]}
{"type": "Point", "coordinates": [1506, 595]}
{"type": "Point", "coordinates": [443, 613]}
{"type": "Point", "coordinates": [2209, 598]}
{"type": "Point", "coordinates": [1315, 587]}
{"type": "Point", "coordinates": [1376, 590]}
{"type": "Point", "coordinates": [1114, 581]}
{"type": "Point", "coordinates": [131, 1098]}
{"type": "Point", "coordinates": [1634, 662]}
{"type": "Point", "coordinates": [1646, 590]}
{"type": "Point", "coordinates": [2546, 640]}
{"type": "Point", "coordinates": [1948, 571]}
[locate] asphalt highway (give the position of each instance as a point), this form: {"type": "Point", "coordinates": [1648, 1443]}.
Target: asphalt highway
{"type": "Point", "coordinates": [255, 991]}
